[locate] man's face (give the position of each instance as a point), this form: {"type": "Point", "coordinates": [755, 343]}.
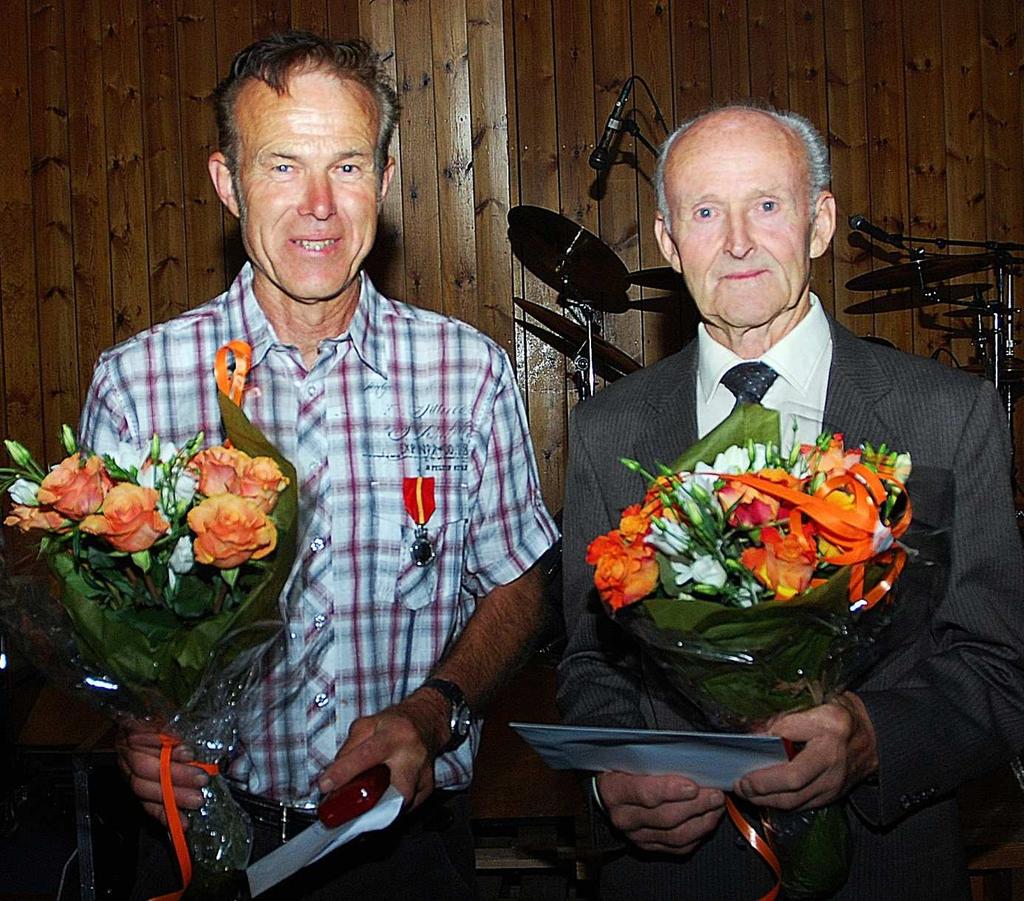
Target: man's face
{"type": "Point", "coordinates": [305, 189]}
{"type": "Point", "coordinates": [742, 232]}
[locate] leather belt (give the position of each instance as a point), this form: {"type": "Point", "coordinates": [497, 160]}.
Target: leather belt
{"type": "Point", "coordinates": [284, 821]}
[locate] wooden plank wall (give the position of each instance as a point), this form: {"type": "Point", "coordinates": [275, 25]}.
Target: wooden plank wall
{"type": "Point", "coordinates": [108, 222]}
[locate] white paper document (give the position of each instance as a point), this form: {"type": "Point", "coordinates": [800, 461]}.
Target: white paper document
{"type": "Point", "coordinates": [711, 759]}
{"type": "Point", "coordinates": [317, 840]}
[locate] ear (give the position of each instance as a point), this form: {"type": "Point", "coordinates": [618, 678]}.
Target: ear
{"type": "Point", "coordinates": [666, 243]}
{"type": "Point", "coordinates": [223, 183]}
{"type": "Point", "coordinates": [824, 225]}
{"type": "Point", "coordinates": [385, 180]}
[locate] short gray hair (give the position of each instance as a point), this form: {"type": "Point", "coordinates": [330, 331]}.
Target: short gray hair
{"type": "Point", "coordinates": [815, 148]}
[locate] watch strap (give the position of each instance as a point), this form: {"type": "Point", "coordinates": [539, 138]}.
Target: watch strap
{"type": "Point", "coordinates": [459, 714]}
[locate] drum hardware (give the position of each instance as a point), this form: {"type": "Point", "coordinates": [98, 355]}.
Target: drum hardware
{"type": "Point", "coordinates": [590, 280]}
{"type": "Point", "coordinates": [572, 340]}
{"type": "Point", "coordinates": [993, 334]}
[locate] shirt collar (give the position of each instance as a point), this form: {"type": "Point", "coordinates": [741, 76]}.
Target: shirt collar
{"type": "Point", "coordinates": [365, 331]}
{"type": "Point", "coordinates": [794, 358]}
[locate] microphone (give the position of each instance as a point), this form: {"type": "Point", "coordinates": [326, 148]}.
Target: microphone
{"type": "Point", "coordinates": [601, 157]}
{"type": "Point", "coordinates": [860, 223]}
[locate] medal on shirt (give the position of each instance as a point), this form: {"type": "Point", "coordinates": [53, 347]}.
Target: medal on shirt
{"type": "Point", "coordinates": [418, 494]}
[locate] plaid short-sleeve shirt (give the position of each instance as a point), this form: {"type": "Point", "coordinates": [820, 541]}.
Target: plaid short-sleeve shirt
{"type": "Point", "coordinates": [403, 393]}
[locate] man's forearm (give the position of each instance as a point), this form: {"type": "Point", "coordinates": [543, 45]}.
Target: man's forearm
{"type": "Point", "coordinates": [504, 630]}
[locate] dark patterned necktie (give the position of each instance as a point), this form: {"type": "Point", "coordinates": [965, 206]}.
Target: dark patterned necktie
{"type": "Point", "coordinates": [749, 382]}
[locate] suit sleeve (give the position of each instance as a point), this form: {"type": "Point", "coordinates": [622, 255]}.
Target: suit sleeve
{"type": "Point", "coordinates": [598, 683]}
{"type": "Point", "coordinates": [959, 711]}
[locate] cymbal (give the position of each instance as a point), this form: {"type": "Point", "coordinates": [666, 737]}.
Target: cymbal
{"type": "Point", "coordinates": [568, 258]}
{"type": "Point", "coordinates": [909, 300]}
{"type": "Point", "coordinates": [575, 335]}
{"type": "Point", "coordinates": [663, 278]}
{"type": "Point", "coordinates": [922, 271]}
{"type": "Point", "coordinates": [982, 309]}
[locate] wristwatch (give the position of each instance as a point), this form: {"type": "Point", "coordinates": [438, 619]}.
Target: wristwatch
{"type": "Point", "coordinates": [460, 719]}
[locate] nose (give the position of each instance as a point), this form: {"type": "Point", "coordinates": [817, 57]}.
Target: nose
{"type": "Point", "coordinates": [738, 241]}
{"type": "Point", "coordinates": [317, 197]}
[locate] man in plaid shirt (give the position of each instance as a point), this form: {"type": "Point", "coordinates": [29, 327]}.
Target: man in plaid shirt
{"type": "Point", "coordinates": [364, 395]}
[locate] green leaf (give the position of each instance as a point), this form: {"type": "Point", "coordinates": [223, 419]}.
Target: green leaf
{"type": "Point", "coordinates": [141, 560]}
{"type": "Point", "coordinates": [747, 422]}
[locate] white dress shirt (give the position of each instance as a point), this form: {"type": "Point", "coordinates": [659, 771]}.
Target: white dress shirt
{"type": "Point", "coordinates": [802, 360]}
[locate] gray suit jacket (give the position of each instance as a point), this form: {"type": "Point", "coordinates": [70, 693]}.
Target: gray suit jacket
{"type": "Point", "coordinates": [947, 702]}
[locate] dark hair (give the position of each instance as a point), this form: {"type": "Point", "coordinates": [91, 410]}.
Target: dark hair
{"type": "Point", "coordinates": [275, 59]}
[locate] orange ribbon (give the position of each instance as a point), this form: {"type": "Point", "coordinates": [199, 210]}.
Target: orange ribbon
{"type": "Point", "coordinates": [760, 845]}
{"type": "Point", "coordinates": [849, 528]}
{"type": "Point", "coordinates": [233, 383]}
{"type": "Point", "coordinates": [167, 745]}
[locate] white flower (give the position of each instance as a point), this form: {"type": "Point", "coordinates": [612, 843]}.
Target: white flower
{"type": "Point", "coordinates": [732, 460]}
{"type": "Point", "coordinates": [130, 457]}
{"type": "Point", "coordinates": [667, 536]}
{"type": "Point", "coordinates": [182, 559]}
{"type": "Point", "coordinates": [901, 468]}
{"type": "Point", "coordinates": [706, 570]}
{"type": "Point", "coordinates": [24, 492]}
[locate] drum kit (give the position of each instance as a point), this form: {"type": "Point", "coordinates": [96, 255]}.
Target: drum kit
{"type": "Point", "coordinates": [986, 319]}
{"type": "Point", "coordinates": [590, 280]}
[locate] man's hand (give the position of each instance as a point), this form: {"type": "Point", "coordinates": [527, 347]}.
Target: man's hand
{"type": "Point", "coordinates": [138, 757]}
{"type": "Point", "coordinates": [665, 814]}
{"type": "Point", "coordinates": [839, 752]}
{"type": "Point", "coordinates": [406, 737]}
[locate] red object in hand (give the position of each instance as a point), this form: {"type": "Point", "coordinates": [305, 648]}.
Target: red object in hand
{"type": "Point", "coordinates": [355, 797]}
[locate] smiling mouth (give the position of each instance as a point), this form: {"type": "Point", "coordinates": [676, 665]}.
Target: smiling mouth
{"type": "Point", "coordinates": [322, 244]}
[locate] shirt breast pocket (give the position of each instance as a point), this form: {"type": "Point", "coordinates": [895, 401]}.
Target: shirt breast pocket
{"type": "Point", "coordinates": [399, 578]}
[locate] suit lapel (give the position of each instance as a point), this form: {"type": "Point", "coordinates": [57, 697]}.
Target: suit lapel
{"type": "Point", "coordinates": [669, 416]}
{"type": "Point", "coordinates": [856, 385]}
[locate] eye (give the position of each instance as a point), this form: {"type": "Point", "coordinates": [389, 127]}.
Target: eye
{"type": "Point", "coordinates": [282, 167]}
{"type": "Point", "coordinates": [704, 212]}
{"type": "Point", "coordinates": [769, 206]}
{"type": "Point", "coordinates": [348, 168]}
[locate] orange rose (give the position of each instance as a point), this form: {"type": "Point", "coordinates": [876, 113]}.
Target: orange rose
{"type": "Point", "coordinates": [128, 519]}
{"type": "Point", "coordinates": [219, 469]}
{"type": "Point", "coordinates": [635, 522]}
{"type": "Point", "coordinates": [74, 488]}
{"type": "Point", "coordinates": [261, 481]}
{"type": "Point", "coordinates": [230, 530]}
{"type": "Point", "coordinates": [785, 563]}
{"type": "Point", "coordinates": [26, 518]}
{"type": "Point", "coordinates": [834, 460]}
{"type": "Point", "coordinates": [625, 573]}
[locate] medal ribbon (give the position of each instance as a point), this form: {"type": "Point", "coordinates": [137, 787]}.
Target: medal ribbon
{"type": "Point", "coordinates": [167, 745]}
{"type": "Point", "coordinates": [418, 494]}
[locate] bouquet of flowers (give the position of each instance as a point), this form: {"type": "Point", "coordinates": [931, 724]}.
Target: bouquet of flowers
{"type": "Point", "coordinates": [167, 567]}
{"type": "Point", "coordinates": [759, 584]}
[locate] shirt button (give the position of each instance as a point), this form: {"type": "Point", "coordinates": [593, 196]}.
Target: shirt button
{"type": "Point", "coordinates": [317, 544]}
{"type": "Point", "coordinates": [321, 700]}
{"type": "Point", "coordinates": [319, 621]}
{"type": "Point", "coordinates": [311, 391]}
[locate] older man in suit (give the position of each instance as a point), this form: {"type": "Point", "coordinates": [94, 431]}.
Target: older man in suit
{"type": "Point", "coordinates": [743, 208]}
